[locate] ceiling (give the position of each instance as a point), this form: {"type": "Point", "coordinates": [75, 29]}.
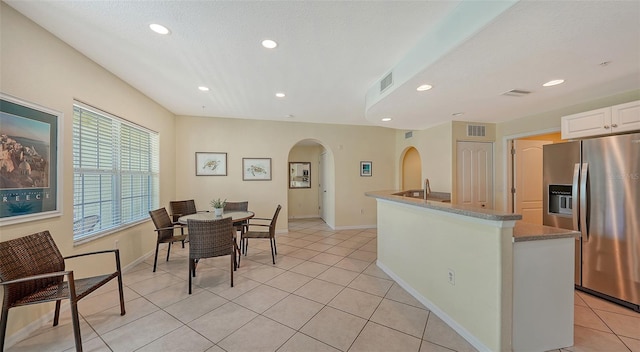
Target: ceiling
{"type": "Point", "coordinates": [332, 55]}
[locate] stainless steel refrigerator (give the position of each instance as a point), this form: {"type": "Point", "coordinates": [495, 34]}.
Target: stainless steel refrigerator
{"type": "Point", "coordinates": [593, 186]}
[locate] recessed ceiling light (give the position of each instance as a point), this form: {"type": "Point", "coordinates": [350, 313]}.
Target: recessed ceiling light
{"type": "Point", "coordinates": [269, 44]}
{"type": "Point", "coordinates": [554, 82]}
{"type": "Point", "coordinates": [158, 28]}
{"type": "Point", "coordinates": [203, 88]}
{"type": "Point", "coordinates": [280, 95]}
{"type": "Point", "coordinates": [424, 87]}
{"type": "Point", "coordinates": [386, 119]}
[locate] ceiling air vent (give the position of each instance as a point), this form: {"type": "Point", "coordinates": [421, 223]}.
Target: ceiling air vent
{"type": "Point", "coordinates": [386, 82]}
{"type": "Point", "coordinates": [516, 93]}
{"type": "Point", "coordinates": [408, 135]}
{"type": "Point", "coordinates": [475, 131]}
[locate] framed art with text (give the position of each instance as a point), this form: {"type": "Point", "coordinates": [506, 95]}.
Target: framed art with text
{"type": "Point", "coordinates": [211, 164]}
{"type": "Point", "coordinates": [256, 169]}
{"type": "Point", "coordinates": [365, 168]}
{"type": "Point", "coordinates": [30, 161]}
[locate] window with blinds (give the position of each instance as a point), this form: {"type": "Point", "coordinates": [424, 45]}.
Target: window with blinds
{"type": "Point", "coordinates": [115, 172]}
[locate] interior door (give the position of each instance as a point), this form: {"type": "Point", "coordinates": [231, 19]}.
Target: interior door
{"type": "Point", "coordinates": [528, 183]}
{"type": "Point", "coordinates": [475, 174]}
{"type": "Point", "coordinates": [323, 178]}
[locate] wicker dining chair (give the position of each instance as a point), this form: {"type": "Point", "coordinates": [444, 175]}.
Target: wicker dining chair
{"type": "Point", "coordinates": [165, 228]}
{"type": "Point", "coordinates": [32, 270]}
{"type": "Point", "coordinates": [238, 206]}
{"type": "Point", "coordinates": [270, 233]}
{"type": "Point", "coordinates": [181, 208]}
{"type": "Point", "coordinates": [208, 239]}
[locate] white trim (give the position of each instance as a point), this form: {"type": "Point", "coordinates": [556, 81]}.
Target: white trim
{"type": "Point", "coordinates": [305, 217]}
{"type": "Point", "coordinates": [433, 308]}
{"type": "Point", "coordinates": [355, 227]}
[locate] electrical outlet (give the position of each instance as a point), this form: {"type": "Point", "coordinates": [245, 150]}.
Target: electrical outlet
{"type": "Point", "coordinates": [361, 211]}
{"type": "Point", "coordinates": [451, 276]}
{"type": "Point", "coordinates": [116, 244]}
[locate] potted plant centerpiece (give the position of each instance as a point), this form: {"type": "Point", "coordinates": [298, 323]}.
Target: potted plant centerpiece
{"type": "Point", "coordinates": [218, 205]}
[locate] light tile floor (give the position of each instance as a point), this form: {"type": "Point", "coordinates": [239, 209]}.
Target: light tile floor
{"type": "Point", "coordinates": [324, 294]}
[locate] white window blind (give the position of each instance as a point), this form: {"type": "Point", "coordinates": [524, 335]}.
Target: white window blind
{"type": "Point", "coordinates": [115, 172]}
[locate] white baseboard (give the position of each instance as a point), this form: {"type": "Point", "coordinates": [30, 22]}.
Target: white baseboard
{"type": "Point", "coordinates": [305, 217]}
{"type": "Point", "coordinates": [355, 227]}
{"type": "Point", "coordinates": [433, 308]}
{"type": "Point", "coordinates": [29, 329]}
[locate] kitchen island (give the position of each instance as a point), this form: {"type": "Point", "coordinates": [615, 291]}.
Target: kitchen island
{"type": "Point", "coordinates": [500, 283]}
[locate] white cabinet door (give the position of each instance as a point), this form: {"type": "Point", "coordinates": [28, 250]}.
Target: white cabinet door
{"type": "Point", "coordinates": [614, 119]}
{"type": "Point", "coordinates": [625, 117]}
{"type": "Point", "coordinates": [585, 124]}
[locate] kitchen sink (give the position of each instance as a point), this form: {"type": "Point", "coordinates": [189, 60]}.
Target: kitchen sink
{"type": "Point", "coordinates": [419, 194]}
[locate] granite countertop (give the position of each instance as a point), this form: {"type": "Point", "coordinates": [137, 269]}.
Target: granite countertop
{"type": "Point", "coordinates": [524, 231]}
{"type": "Point", "coordinates": [487, 214]}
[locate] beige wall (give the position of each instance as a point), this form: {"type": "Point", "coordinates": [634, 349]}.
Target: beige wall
{"type": "Point", "coordinates": [303, 202]}
{"type": "Point", "coordinates": [268, 139]}
{"type": "Point", "coordinates": [39, 68]}
{"type": "Point", "coordinates": [434, 146]}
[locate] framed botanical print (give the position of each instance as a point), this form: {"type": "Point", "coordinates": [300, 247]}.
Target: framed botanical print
{"type": "Point", "coordinates": [211, 164]}
{"type": "Point", "coordinates": [256, 169]}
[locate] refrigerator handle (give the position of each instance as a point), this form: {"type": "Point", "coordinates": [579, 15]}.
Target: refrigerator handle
{"type": "Point", "coordinates": [574, 197]}
{"type": "Point", "coordinates": [584, 201]}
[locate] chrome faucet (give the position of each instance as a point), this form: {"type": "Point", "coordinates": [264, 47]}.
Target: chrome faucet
{"type": "Point", "coordinates": [427, 188]}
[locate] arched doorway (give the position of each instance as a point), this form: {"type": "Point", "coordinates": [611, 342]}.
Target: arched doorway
{"type": "Point", "coordinates": [411, 169]}
{"type": "Point", "coordinates": [318, 199]}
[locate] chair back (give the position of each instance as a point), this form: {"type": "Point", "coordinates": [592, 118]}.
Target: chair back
{"type": "Point", "coordinates": [161, 220]}
{"type": "Point", "coordinates": [272, 225]}
{"type": "Point", "coordinates": [182, 207]}
{"type": "Point", "coordinates": [210, 238]}
{"type": "Point", "coordinates": [236, 206]}
{"type": "Point", "coordinates": [25, 256]}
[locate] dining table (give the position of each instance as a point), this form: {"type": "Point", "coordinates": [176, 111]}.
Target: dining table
{"type": "Point", "coordinates": [236, 216]}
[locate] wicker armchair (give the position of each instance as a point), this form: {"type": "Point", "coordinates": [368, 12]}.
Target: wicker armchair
{"type": "Point", "coordinates": [208, 239]}
{"type": "Point", "coordinates": [182, 207]}
{"type": "Point", "coordinates": [165, 229]}
{"type": "Point", "coordinates": [270, 233]}
{"type": "Point", "coordinates": [32, 270]}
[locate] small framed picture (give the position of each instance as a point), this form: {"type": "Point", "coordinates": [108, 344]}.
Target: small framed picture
{"type": "Point", "coordinates": [211, 164]}
{"type": "Point", "coordinates": [256, 169]}
{"type": "Point", "coordinates": [365, 168]}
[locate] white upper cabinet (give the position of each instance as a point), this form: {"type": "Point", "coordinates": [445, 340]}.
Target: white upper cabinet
{"type": "Point", "coordinates": [625, 117]}
{"type": "Point", "coordinates": [609, 120]}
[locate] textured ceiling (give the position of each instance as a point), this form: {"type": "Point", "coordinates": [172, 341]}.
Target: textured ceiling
{"type": "Point", "coordinates": [332, 55]}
